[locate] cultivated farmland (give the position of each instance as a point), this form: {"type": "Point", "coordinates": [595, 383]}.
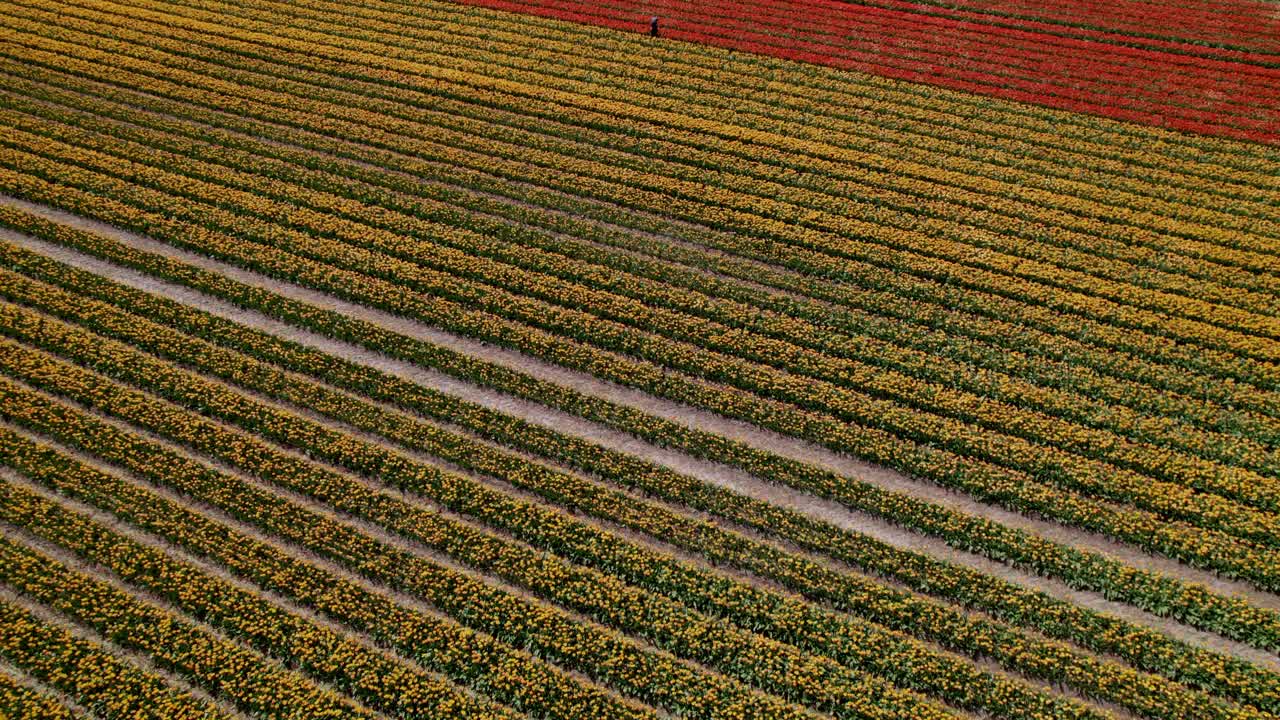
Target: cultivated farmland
{"type": "Point", "coordinates": [497, 359]}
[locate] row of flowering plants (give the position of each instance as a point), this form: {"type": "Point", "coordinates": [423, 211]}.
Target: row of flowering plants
{"type": "Point", "coordinates": [1251, 398]}
{"type": "Point", "coordinates": [21, 701]}
{"type": "Point", "coordinates": [829, 230]}
{"type": "Point", "coordinates": [811, 679]}
{"type": "Point", "coordinates": [1131, 486]}
{"type": "Point", "coordinates": [745, 606]}
{"type": "Point", "coordinates": [394, 282]}
{"type": "Point", "coordinates": [1196, 605]}
{"type": "Point", "coordinates": [169, 639]}
{"type": "Point", "coordinates": [1140, 647]}
{"type": "Point", "coordinates": [612, 658]}
{"type": "Point", "coordinates": [383, 684]}
{"type": "Point", "coordinates": [473, 659]}
{"type": "Point", "coordinates": [720, 80]}
{"type": "Point", "coordinates": [988, 73]}
{"type": "Point", "coordinates": [89, 673]}
{"type": "Point", "coordinates": [715, 86]}
{"type": "Point", "coordinates": [515, 250]}
{"type": "Point", "coordinates": [740, 604]}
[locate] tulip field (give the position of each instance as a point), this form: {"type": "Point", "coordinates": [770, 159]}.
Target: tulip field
{"type": "Point", "coordinates": [496, 359]}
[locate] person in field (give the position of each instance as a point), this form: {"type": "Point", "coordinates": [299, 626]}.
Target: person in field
{"type": "Point", "coordinates": [653, 26]}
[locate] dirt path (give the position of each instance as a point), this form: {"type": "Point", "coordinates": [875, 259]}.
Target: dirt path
{"type": "Point", "coordinates": [711, 472]}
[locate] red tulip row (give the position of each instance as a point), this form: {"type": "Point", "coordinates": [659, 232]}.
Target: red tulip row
{"type": "Point", "coordinates": [1210, 25]}
{"type": "Point", "coordinates": [986, 79]}
{"type": "Point", "coordinates": [608, 464]}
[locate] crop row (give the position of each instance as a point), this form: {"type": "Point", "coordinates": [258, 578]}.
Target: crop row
{"type": "Point", "coordinates": [91, 675]}
{"type": "Point", "coordinates": [1121, 363]}
{"type": "Point", "coordinates": [743, 605]}
{"type": "Point", "coordinates": [1015, 58]}
{"type": "Point", "coordinates": [546, 631]}
{"type": "Point", "coordinates": [172, 641]}
{"type": "Point", "coordinates": [898, 219]}
{"type": "Point", "coordinates": [855, 644]}
{"type": "Point", "coordinates": [408, 197]}
{"type": "Point", "coordinates": [985, 77]}
{"type": "Point", "coordinates": [1083, 90]}
{"type": "Point", "coordinates": [801, 83]}
{"type": "Point", "coordinates": [474, 659]}
{"type": "Point", "coordinates": [1137, 645]}
{"type": "Point", "coordinates": [797, 93]}
{"type": "Point", "coordinates": [854, 116]}
{"type": "Point", "coordinates": [900, 196]}
{"type": "Point", "coordinates": [859, 376]}
{"type": "Point", "coordinates": [1200, 546]}
{"type": "Point", "coordinates": [20, 701]}
{"type": "Point", "coordinates": [380, 682]}
{"type": "Point", "coordinates": [1133, 18]}
{"type": "Point", "coordinates": [1016, 65]}
{"type": "Point", "coordinates": [1196, 605]}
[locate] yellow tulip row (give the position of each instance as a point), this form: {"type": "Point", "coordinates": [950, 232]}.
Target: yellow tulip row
{"type": "Point", "coordinates": [767, 613]}
{"type": "Point", "coordinates": [963, 407]}
{"type": "Point", "coordinates": [1138, 646]}
{"type": "Point", "coordinates": [1194, 604]}
{"type": "Point", "coordinates": [895, 305]}
{"type": "Point", "coordinates": [173, 641]}
{"type": "Point", "coordinates": [1231, 448]}
{"type": "Point", "coordinates": [91, 675]}
{"type": "Point", "coordinates": [1159, 335]}
{"type": "Point", "coordinates": [383, 684]}
{"type": "Point", "coordinates": [1202, 546]}
{"type": "Point", "coordinates": [836, 234]}
{"type": "Point", "coordinates": [921, 178]}
{"type": "Point", "coordinates": [20, 701]}
{"type": "Point", "coordinates": [595, 650]}
{"type": "Point", "coordinates": [474, 659]}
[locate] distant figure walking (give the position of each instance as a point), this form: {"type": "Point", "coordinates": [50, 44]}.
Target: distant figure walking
{"type": "Point", "coordinates": [653, 26]}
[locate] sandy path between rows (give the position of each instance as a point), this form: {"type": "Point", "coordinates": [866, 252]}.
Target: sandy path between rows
{"type": "Point", "coordinates": [715, 473]}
